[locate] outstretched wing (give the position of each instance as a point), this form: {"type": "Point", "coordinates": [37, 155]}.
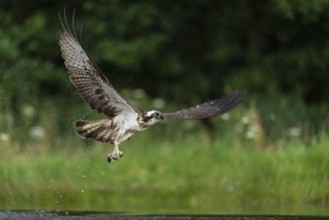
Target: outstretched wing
{"type": "Point", "coordinates": [91, 84]}
{"type": "Point", "coordinates": [208, 109]}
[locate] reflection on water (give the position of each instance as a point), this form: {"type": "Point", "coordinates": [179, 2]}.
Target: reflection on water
{"type": "Point", "coordinates": [31, 215]}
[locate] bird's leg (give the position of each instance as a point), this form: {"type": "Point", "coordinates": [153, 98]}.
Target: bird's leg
{"type": "Point", "coordinates": [115, 155]}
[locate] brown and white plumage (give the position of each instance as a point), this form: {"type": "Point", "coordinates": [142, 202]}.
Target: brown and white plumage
{"type": "Point", "coordinates": [90, 82]}
{"type": "Point", "coordinates": [122, 120]}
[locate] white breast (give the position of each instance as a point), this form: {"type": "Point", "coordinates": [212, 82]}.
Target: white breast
{"type": "Point", "coordinates": [127, 125]}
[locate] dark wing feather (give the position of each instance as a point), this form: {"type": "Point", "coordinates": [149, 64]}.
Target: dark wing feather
{"type": "Point", "coordinates": [91, 84]}
{"type": "Point", "coordinates": [208, 109]}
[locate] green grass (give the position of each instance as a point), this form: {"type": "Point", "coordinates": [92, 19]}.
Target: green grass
{"type": "Point", "coordinates": [188, 175]}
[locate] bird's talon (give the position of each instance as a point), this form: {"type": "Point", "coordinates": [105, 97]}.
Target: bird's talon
{"type": "Point", "coordinates": [110, 159]}
{"type": "Point", "coordinates": [114, 156]}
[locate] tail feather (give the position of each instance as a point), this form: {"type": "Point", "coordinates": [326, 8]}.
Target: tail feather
{"type": "Point", "coordinates": [100, 130]}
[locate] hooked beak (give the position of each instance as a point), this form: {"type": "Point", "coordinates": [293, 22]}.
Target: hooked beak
{"type": "Point", "coordinates": [160, 117]}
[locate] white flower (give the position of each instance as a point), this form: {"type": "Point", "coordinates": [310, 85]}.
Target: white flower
{"type": "Point", "coordinates": [158, 103]}
{"type": "Point", "coordinates": [245, 120]}
{"type": "Point", "coordinates": [37, 132]}
{"type": "Point", "coordinates": [4, 137]}
{"type": "Point", "coordinates": [226, 116]}
{"type": "Point", "coordinates": [28, 111]}
{"type": "Point", "coordinates": [250, 134]}
{"type": "Point", "coordinates": [139, 93]}
{"type": "Point", "coordinates": [294, 132]}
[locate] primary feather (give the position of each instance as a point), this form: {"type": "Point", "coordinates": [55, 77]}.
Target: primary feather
{"type": "Point", "coordinates": [91, 84]}
{"type": "Point", "coordinates": [209, 109]}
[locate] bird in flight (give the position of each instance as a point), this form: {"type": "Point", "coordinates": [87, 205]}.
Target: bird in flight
{"type": "Point", "coordinates": [122, 120]}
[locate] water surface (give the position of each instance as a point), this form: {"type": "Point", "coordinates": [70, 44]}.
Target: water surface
{"type": "Point", "coordinates": [33, 215]}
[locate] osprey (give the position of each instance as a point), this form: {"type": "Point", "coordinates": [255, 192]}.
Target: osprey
{"type": "Point", "coordinates": [122, 120]}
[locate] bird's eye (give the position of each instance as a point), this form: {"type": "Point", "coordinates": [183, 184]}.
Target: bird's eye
{"type": "Point", "coordinates": [155, 114]}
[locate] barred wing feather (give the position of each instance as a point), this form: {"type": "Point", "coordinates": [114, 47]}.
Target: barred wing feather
{"type": "Point", "coordinates": [91, 84]}
{"type": "Point", "coordinates": [208, 109]}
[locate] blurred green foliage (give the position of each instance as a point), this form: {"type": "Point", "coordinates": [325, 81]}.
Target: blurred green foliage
{"type": "Point", "coordinates": [169, 177]}
{"type": "Point", "coordinates": [184, 52]}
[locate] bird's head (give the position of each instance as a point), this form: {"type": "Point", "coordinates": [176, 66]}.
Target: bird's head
{"type": "Point", "coordinates": [151, 117]}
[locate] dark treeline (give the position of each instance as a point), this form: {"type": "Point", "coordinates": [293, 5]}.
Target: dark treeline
{"type": "Point", "coordinates": [182, 51]}
{"type": "Point", "coordinates": [169, 47]}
